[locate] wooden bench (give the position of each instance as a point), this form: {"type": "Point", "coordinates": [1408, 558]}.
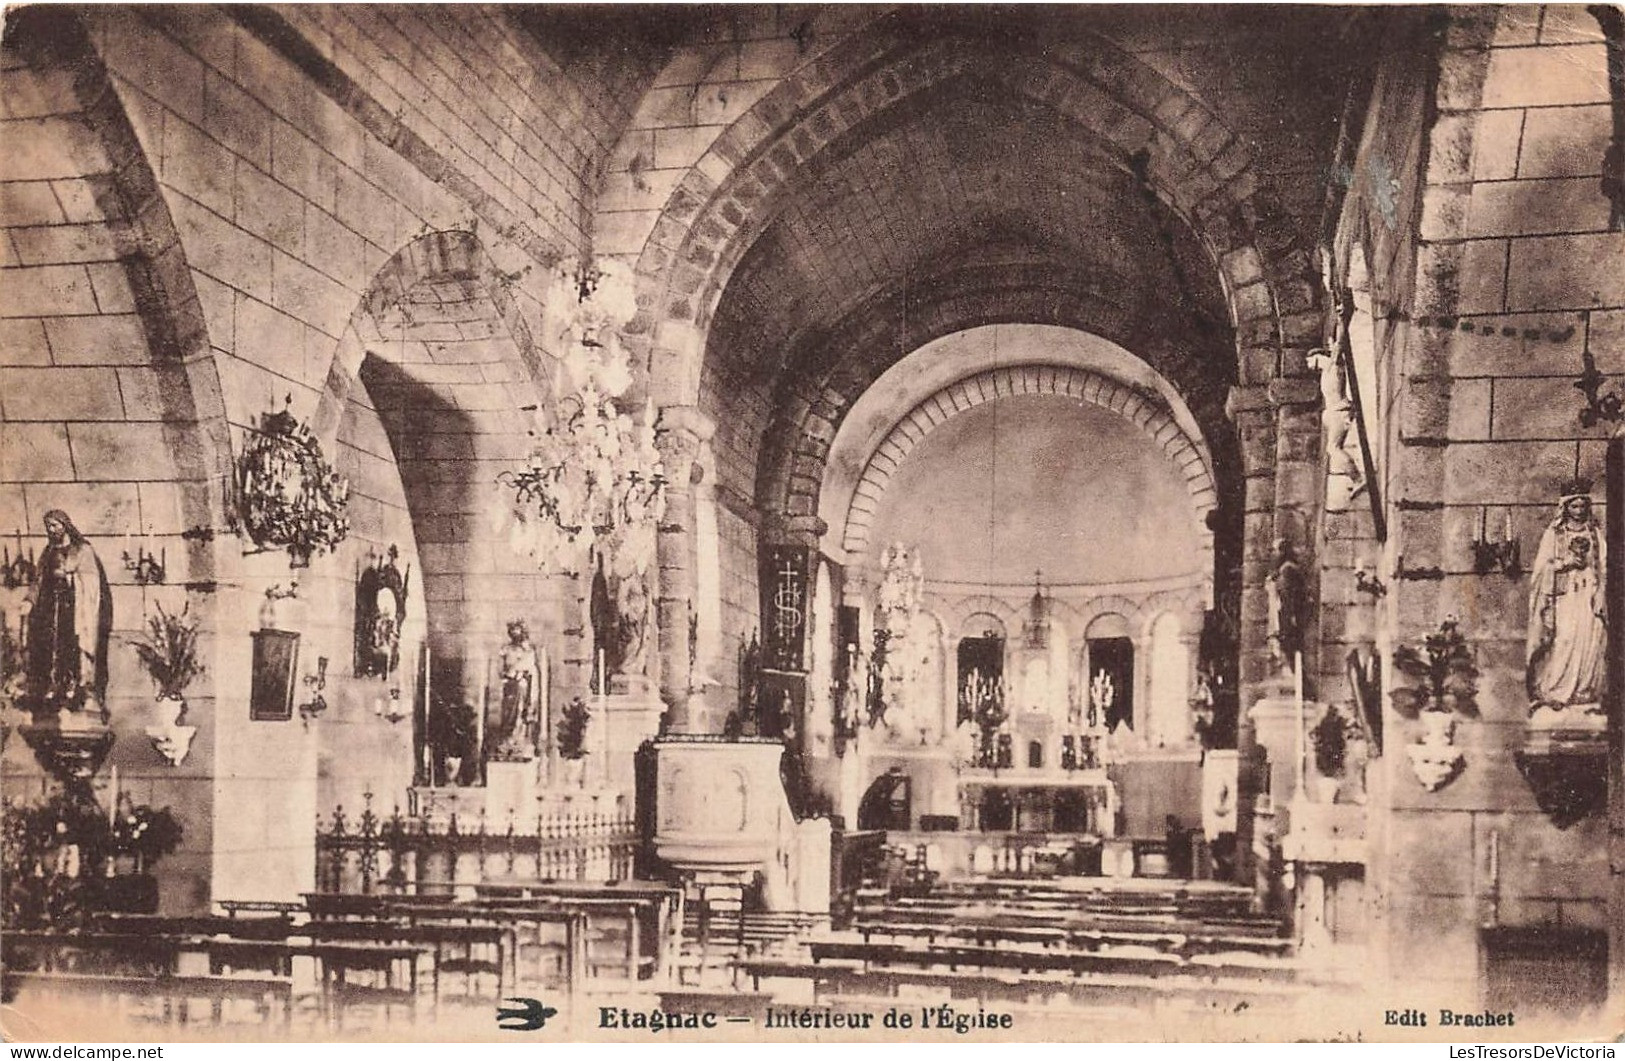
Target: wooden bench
{"type": "Point", "coordinates": [1148, 964]}
{"type": "Point", "coordinates": [159, 925]}
{"type": "Point", "coordinates": [233, 907]}
{"type": "Point", "coordinates": [847, 978]}
{"type": "Point", "coordinates": [456, 946]}
{"type": "Point", "coordinates": [272, 997]}
{"type": "Point", "coordinates": [546, 943]}
{"type": "Point", "coordinates": [110, 953]}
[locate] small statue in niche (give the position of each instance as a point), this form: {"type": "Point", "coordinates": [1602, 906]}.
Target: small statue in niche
{"type": "Point", "coordinates": [1568, 632]}
{"type": "Point", "coordinates": [750, 678]}
{"type": "Point", "coordinates": [1286, 594]}
{"type": "Point", "coordinates": [380, 612]}
{"type": "Point", "coordinates": [522, 684]}
{"type": "Point", "coordinates": [632, 625]}
{"type": "Point", "coordinates": [68, 617]}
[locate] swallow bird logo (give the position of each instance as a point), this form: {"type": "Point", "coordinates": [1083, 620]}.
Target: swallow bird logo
{"type": "Point", "coordinates": [524, 1015]}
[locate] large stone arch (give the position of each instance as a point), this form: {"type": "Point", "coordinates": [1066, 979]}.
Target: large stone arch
{"type": "Point", "coordinates": [1146, 414]}
{"type": "Point", "coordinates": [1186, 157]}
{"type": "Point", "coordinates": [438, 352]}
{"type": "Point", "coordinates": [454, 255]}
{"type": "Point", "coordinates": [812, 403]}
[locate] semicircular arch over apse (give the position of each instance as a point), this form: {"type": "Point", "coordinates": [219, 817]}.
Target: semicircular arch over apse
{"type": "Point", "coordinates": [874, 444]}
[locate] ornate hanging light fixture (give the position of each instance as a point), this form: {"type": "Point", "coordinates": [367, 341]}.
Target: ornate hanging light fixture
{"type": "Point", "coordinates": [594, 485]}
{"type": "Point", "coordinates": [288, 496]}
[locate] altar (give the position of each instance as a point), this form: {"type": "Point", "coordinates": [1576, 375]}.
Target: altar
{"type": "Point", "coordinates": [1058, 800]}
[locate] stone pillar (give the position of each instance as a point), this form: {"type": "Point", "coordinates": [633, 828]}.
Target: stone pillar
{"type": "Point", "coordinates": [1249, 408]}
{"type": "Point", "coordinates": [1615, 707]}
{"type": "Point", "coordinates": [681, 432]}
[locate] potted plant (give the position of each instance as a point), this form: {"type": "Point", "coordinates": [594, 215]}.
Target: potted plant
{"type": "Point", "coordinates": [1330, 737]}
{"type": "Point", "coordinates": [573, 737]}
{"type": "Point", "coordinates": [168, 650]}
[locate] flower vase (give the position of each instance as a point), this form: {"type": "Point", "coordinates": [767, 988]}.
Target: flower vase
{"type": "Point", "coordinates": [575, 773]}
{"type": "Point", "coordinates": [1434, 760]}
{"type": "Point", "coordinates": [1438, 728]}
{"type": "Point", "coordinates": [169, 738]}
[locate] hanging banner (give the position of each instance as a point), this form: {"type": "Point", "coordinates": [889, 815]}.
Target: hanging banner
{"type": "Point", "coordinates": [784, 577]}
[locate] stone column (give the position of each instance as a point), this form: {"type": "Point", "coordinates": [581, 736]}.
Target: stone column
{"type": "Point", "coordinates": [1249, 408]}
{"type": "Point", "coordinates": [1615, 706]}
{"type": "Point", "coordinates": [681, 432]}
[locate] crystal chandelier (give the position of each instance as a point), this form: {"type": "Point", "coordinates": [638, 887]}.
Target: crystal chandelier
{"type": "Point", "coordinates": [594, 486]}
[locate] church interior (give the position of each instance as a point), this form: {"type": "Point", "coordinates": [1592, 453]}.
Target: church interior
{"type": "Point", "coordinates": [1096, 511]}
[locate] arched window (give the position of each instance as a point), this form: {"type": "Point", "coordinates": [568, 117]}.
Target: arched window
{"type": "Point", "coordinates": [1109, 651]}
{"type": "Point", "coordinates": [1168, 713]}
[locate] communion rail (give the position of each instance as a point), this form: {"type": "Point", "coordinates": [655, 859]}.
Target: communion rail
{"type": "Point", "coordinates": [417, 855]}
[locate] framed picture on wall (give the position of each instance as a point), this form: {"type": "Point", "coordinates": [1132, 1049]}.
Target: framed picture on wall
{"type": "Point", "coordinates": [1364, 685]}
{"type": "Point", "coordinates": [276, 660]}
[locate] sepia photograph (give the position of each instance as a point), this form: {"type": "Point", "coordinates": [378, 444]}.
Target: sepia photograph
{"type": "Point", "coordinates": [768, 523]}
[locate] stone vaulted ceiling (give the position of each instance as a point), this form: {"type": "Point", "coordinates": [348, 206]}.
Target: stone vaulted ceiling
{"type": "Point", "coordinates": [970, 177]}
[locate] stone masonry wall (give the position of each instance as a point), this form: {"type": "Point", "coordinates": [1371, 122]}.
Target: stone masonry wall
{"type": "Point", "coordinates": [1515, 276]}
{"type": "Point", "coordinates": [290, 155]}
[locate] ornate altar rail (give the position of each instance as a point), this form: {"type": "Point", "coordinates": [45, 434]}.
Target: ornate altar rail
{"type": "Point", "coordinates": [419, 855]}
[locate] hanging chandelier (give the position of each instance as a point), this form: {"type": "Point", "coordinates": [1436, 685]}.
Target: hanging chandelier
{"type": "Point", "coordinates": [288, 496]}
{"type": "Point", "coordinates": [594, 486]}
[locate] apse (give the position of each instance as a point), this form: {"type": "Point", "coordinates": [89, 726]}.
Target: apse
{"type": "Point", "coordinates": [1041, 483]}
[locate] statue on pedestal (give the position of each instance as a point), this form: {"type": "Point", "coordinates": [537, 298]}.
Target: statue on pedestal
{"type": "Point", "coordinates": [633, 608]}
{"type": "Point", "coordinates": [521, 694]}
{"type": "Point", "coordinates": [1568, 633]}
{"type": "Point", "coordinates": [1287, 604]}
{"type": "Point", "coordinates": [69, 614]}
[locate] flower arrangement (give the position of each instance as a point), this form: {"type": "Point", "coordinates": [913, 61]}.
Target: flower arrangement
{"type": "Point", "coordinates": [141, 831]}
{"type": "Point", "coordinates": [287, 493]}
{"type": "Point", "coordinates": [1331, 740]}
{"type": "Point", "coordinates": [573, 729]}
{"type": "Point", "coordinates": [168, 649]}
{"type": "Point", "coordinates": [1444, 670]}
{"type": "Point", "coordinates": [52, 852]}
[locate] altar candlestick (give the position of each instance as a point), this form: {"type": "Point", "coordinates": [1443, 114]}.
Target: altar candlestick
{"type": "Point", "coordinates": [1483, 523]}
{"type": "Point", "coordinates": [479, 720]}
{"type": "Point", "coordinates": [1506, 526]}
{"type": "Point", "coordinates": [1297, 682]}
{"type": "Point", "coordinates": [112, 797]}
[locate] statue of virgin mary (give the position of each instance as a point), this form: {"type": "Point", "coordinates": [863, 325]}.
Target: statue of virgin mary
{"type": "Point", "coordinates": [1567, 627]}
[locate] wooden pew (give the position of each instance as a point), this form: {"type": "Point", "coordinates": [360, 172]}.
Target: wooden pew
{"type": "Point", "coordinates": [457, 947]}
{"type": "Point", "coordinates": [1148, 964]}
{"type": "Point", "coordinates": [272, 997]}
{"type": "Point", "coordinates": [546, 944]}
